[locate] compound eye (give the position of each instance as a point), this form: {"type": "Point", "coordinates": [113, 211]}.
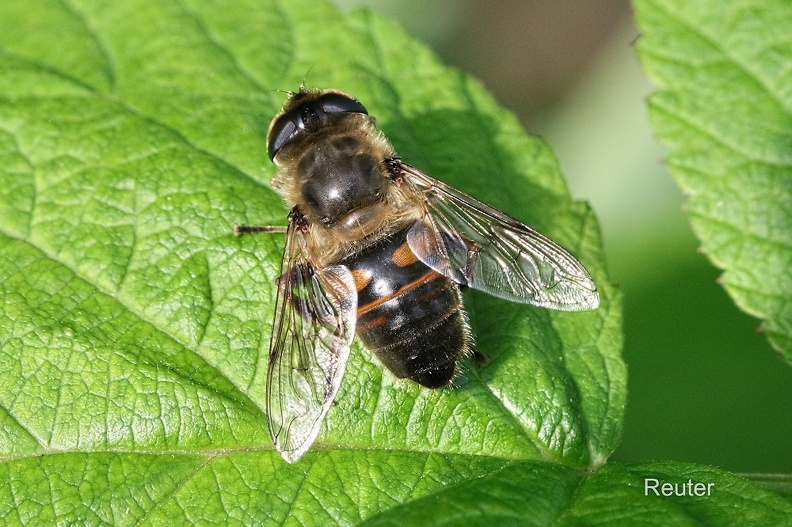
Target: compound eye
{"type": "Point", "coordinates": [340, 103]}
{"type": "Point", "coordinates": [282, 131]}
{"type": "Point", "coordinates": [308, 117]}
{"type": "Point", "coordinates": [304, 117]}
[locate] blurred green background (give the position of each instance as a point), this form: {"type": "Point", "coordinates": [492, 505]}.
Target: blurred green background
{"type": "Point", "coordinates": [703, 385]}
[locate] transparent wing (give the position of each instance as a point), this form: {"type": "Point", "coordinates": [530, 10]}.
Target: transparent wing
{"type": "Point", "coordinates": [315, 314]}
{"type": "Point", "coordinates": [481, 247]}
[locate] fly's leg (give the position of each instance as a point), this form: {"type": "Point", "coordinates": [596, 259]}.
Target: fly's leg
{"type": "Point", "coordinates": [295, 216]}
{"type": "Point", "coordinates": [239, 230]}
{"type": "Point", "coordinates": [479, 358]}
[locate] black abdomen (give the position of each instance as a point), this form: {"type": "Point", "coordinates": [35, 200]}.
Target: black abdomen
{"type": "Point", "coordinates": [410, 316]}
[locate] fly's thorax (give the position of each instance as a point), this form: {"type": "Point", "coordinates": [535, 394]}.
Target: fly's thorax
{"type": "Point", "coordinates": [331, 163]}
{"type": "Point", "coordinates": [337, 178]}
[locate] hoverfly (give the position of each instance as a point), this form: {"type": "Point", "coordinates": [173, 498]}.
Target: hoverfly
{"type": "Point", "coordinates": [376, 247]}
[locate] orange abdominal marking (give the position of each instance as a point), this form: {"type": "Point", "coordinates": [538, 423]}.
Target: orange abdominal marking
{"type": "Point", "coordinates": [376, 323]}
{"type": "Point", "coordinates": [362, 278]}
{"type": "Point", "coordinates": [403, 256]}
{"type": "Point", "coordinates": [427, 277]}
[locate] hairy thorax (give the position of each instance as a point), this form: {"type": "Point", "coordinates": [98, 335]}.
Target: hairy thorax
{"type": "Point", "coordinates": [338, 180]}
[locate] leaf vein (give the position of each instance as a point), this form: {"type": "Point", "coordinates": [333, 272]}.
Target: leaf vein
{"type": "Point", "coordinates": [100, 43]}
{"type": "Point", "coordinates": [690, 121]}
{"type": "Point", "coordinates": [741, 65]}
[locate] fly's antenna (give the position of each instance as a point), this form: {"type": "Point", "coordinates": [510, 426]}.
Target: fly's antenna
{"type": "Point", "coordinates": [277, 90]}
{"type": "Point", "coordinates": [305, 77]}
{"type": "Point", "coordinates": [302, 89]}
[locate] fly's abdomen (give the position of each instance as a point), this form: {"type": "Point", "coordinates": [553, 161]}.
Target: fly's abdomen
{"type": "Point", "coordinates": [410, 316]}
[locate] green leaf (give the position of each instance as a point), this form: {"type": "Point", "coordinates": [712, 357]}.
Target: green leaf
{"type": "Point", "coordinates": [531, 493]}
{"type": "Point", "coordinates": [134, 327]}
{"type": "Point", "coordinates": [779, 483]}
{"type": "Point", "coordinates": [724, 109]}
